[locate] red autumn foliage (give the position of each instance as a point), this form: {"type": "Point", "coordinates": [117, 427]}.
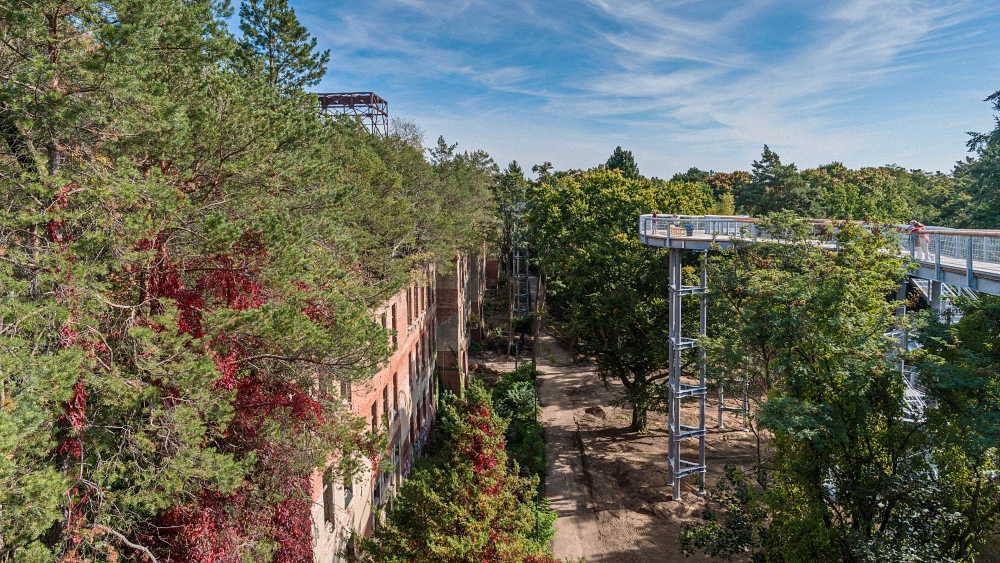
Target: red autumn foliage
{"type": "Point", "coordinates": [215, 527]}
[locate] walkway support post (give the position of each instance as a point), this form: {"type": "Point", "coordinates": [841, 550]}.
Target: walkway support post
{"type": "Point", "coordinates": [679, 389]}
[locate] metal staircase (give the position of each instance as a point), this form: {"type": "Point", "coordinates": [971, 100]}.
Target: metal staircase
{"type": "Point", "coordinates": [679, 388]}
{"type": "Point", "coordinates": [519, 271]}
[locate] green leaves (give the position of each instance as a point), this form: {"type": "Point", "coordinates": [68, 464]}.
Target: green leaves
{"type": "Point", "coordinates": [276, 47]}
{"type": "Point", "coordinates": [188, 262]}
{"type": "Point", "coordinates": [624, 162]}
{"type": "Point", "coordinates": [773, 187]}
{"type": "Point", "coordinates": [464, 505]}
{"type": "Point", "coordinates": [981, 176]}
{"type": "Point", "coordinates": [841, 475]}
{"type": "Point", "coordinates": [604, 284]}
{"type": "Point", "coordinates": [959, 365]}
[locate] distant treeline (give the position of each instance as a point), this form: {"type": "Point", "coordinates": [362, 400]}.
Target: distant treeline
{"type": "Point", "coordinates": [966, 197]}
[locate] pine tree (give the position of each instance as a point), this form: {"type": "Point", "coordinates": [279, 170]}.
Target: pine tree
{"type": "Point", "coordinates": [623, 161]}
{"type": "Point", "coordinates": [171, 320]}
{"type": "Point", "coordinates": [982, 174]}
{"type": "Point", "coordinates": [466, 504]}
{"type": "Point", "coordinates": [774, 187]}
{"type": "Point", "coordinates": [278, 47]}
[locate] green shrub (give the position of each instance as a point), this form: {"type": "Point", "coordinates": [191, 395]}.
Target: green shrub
{"type": "Point", "coordinates": [515, 399]}
{"type": "Point", "coordinates": [465, 504]}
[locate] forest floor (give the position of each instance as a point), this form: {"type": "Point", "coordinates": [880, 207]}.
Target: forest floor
{"type": "Point", "coordinates": [609, 485]}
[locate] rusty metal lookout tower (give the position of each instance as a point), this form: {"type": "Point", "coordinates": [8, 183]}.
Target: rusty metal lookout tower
{"type": "Point", "coordinates": [369, 106]}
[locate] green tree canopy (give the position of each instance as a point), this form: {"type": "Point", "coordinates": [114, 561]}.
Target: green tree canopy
{"type": "Point", "coordinates": [544, 170]}
{"type": "Point", "coordinates": [933, 198]}
{"type": "Point", "coordinates": [774, 187]}
{"type": "Point", "coordinates": [867, 194]}
{"type": "Point", "coordinates": [608, 287]}
{"type": "Point", "coordinates": [845, 475]}
{"type": "Point", "coordinates": [510, 194]}
{"type": "Point", "coordinates": [624, 162]}
{"type": "Point", "coordinates": [981, 175]}
{"type": "Point", "coordinates": [959, 365]}
{"type": "Point", "coordinates": [277, 47]}
{"type": "Point", "coordinates": [693, 174]}
{"type": "Point", "coordinates": [723, 183]}
{"type": "Point", "coordinates": [189, 263]}
{"type": "Point", "coordinates": [464, 505]}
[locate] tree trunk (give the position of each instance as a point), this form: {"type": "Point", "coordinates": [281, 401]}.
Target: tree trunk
{"type": "Point", "coordinates": [55, 158]}
{"type": "Point", "coordinates": [638, 419]}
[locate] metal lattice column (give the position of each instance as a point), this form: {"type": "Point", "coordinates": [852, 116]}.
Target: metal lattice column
{"type": "Point", "coordinates": [522, 293]}
{"type": "Point", "coordinates": [679, 390]}
{"type": "Point", "coordinates": [371, 108]}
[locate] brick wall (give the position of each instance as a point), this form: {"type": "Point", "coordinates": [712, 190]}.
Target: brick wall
{"type": "Point", "coordinates": [401, 394]}
{"type": "Point", "coordinates": [429, 329]}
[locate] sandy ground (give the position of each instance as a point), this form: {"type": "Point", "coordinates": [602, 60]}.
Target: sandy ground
{"type": "Point", "coordinates": [611, 486]}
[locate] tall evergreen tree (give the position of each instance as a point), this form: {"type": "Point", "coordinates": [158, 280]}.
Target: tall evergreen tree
{"type": "Point", "coordinates": [982, 174]}
{"type": "Point", "coordinates": [624, 162]}
{"type": "Point", "coordinates": [774, 187]}
{"type": "Point", "coordinates": [544, 171]}
{"type": "Point", "coordinates": [278, 47]}
{"type": "Point", "coordinates": [465, 504]}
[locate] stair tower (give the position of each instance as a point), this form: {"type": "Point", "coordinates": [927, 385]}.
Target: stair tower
{"type": "Point", "coordinates": [682, 388]}
{"type": "Point", "coordinates": [519, 270]}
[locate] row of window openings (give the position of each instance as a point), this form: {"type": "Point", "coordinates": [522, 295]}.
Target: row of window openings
{"type": "Point", "coordinates": [381, 484]}
{"type": "Point", "coordinates": [385, 399]}
{"type": "Point", "coordinates": [384, 480]}
{"type": "Point", "coordinates": [418, 364]}
{"type": "Point", "coordinates": [423, 296]}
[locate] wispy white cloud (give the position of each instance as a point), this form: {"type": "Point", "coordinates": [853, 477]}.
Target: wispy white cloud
{"type": "Point", "coordinates": [718, 77]}
{"type": "Point", "coordinates": [793, 99]}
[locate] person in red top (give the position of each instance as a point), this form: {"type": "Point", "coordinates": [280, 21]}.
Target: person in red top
{"type": "Point", "coordinates": [919, 240]}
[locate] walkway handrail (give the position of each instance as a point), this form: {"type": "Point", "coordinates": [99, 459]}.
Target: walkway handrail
{"type": "Point", "coordinates": [965, 257]}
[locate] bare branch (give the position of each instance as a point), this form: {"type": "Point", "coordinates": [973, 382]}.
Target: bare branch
{"type": "Point", "coordinates": [124, 540]}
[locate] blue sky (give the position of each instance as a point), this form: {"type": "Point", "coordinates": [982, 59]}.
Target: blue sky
{"type": "Point", "coordinates": [681, 84]}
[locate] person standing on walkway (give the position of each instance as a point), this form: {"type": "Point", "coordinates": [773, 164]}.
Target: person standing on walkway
{"type": "Point", "coordinates": [919, 240]}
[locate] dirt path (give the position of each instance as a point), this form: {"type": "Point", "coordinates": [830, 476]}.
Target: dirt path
{"type": "Point", "coordinates": [567, 484]}
{"type": "Point", "coordinates": [610, 486]}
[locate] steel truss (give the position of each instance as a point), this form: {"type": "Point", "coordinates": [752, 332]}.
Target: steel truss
{"type": "Point", "coordinates": [369, 106]}
{"type": "Point", "coordinates": [519, 270]}
{"type": "Point", "coordinates": [679, 389]}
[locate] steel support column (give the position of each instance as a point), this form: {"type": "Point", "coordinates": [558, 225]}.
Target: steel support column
{"type": "Point", "coordinates": [679, 389]}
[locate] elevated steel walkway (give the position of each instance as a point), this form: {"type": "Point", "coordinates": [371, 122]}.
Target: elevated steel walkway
{"type": "Point", "coordinates": [953, 263]}
{"type": "Point", "coordinates": [962, 258]}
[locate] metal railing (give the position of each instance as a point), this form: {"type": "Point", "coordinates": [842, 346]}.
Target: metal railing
{"type": "Point", "coordinates": [973, 252]}
{"type": "Point", "coordinates": [954, 244]}
{"type": "Point", "coordinates": [728, 226]}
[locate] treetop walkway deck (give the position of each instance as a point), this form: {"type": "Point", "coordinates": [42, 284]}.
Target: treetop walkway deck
{"type": "Point", "coordinates": [960, 257]}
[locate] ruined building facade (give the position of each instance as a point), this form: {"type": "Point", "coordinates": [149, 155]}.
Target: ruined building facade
{"type": "Point", "coordinates": [430, 325]}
